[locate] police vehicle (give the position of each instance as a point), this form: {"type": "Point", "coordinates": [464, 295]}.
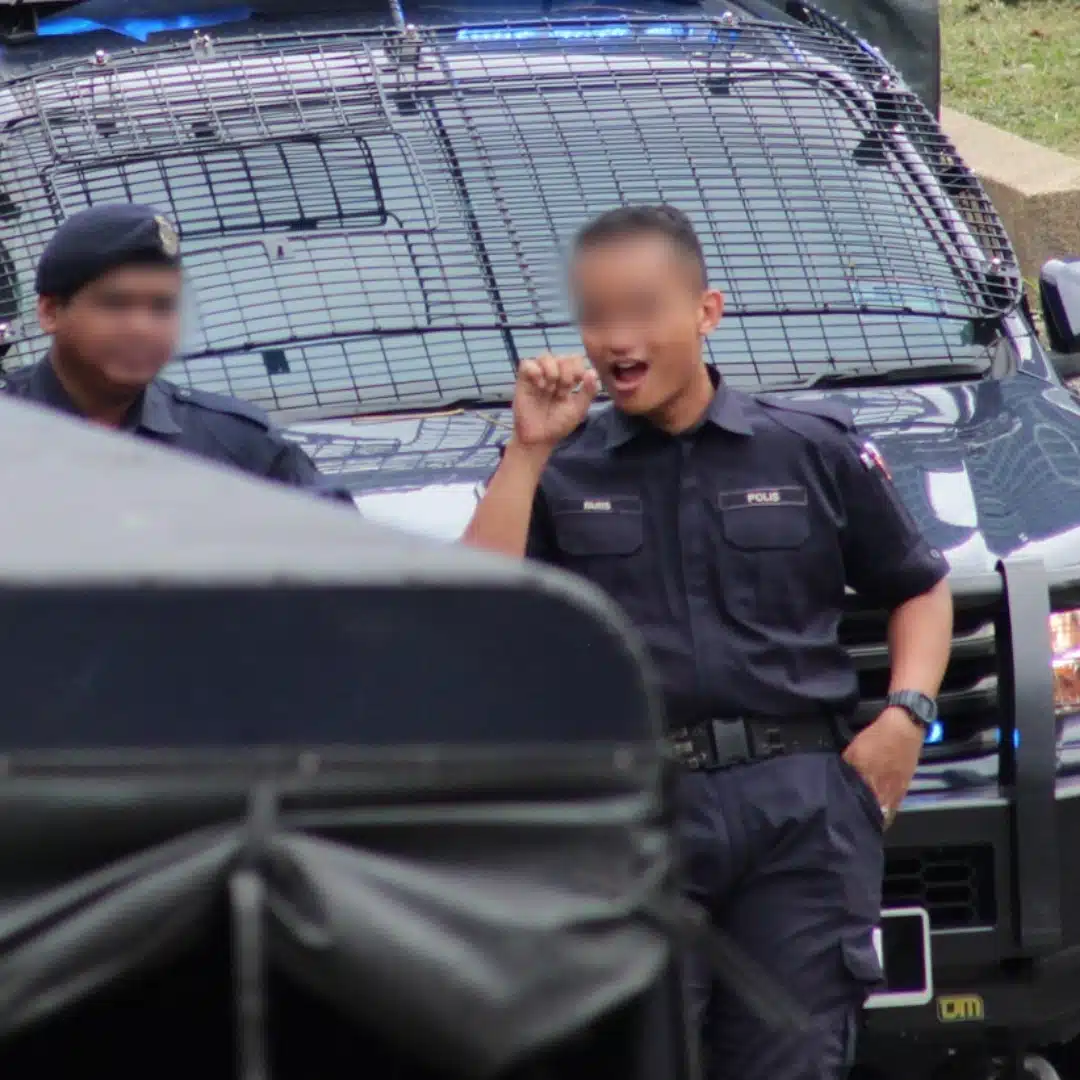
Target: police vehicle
{"type": "Point", "coordinates": [373, 201]}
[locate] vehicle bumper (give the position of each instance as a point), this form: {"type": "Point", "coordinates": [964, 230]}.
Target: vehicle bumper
{"type": "Point", "coordinates": [994, 862]}
{"type": "Point", "coordinates": [958, 856]}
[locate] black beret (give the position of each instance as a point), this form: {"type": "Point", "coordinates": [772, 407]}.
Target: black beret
{"type": "Point", "coordinates": [104, 238]}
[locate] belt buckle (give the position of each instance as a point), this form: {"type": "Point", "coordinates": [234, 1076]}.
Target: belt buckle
{"type": "Point", "coordinates": [730, 742]}
{"type": "Point", "coordinates": [770, 738]}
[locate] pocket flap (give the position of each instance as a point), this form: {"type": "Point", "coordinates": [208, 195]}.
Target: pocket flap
{"type": "Point", "coordinates": [764, 518]}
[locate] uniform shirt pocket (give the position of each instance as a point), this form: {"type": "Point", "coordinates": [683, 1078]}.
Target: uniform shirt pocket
{"type": "Point", "coordinates": [765, 519]}
{"type": "Point", "coordinates": [601, 526]}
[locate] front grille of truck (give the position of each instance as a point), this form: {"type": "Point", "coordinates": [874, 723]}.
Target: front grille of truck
{"type": "Point", "coordinates": [968, 702]}
{"type": "Point", "coordinates": [954, 884]}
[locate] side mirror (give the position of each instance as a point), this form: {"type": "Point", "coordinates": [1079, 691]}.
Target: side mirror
{"type": "Point", "coordinates": [1059, 294]}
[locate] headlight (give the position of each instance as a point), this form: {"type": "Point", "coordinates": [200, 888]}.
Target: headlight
{"type": "Point", "coordinates": [1065, 658]}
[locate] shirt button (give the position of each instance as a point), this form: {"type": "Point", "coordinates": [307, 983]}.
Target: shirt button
{"type": "Point", "coordinates": [183, 391]}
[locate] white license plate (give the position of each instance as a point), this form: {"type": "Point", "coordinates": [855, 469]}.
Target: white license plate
{"type": "Point", "coordinates": [903, 947]}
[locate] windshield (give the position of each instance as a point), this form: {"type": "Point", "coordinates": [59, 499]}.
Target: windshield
{"type": "Point", "coordinates": [371, 223]}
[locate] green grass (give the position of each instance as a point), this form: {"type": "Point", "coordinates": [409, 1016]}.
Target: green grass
{"type": "Point", "coordinates": [1015, 64]}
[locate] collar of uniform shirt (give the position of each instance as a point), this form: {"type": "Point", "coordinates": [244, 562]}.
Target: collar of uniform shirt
{"type": "Point", "coordinates": [725, 411]}
{"type": "Point", "coordinates": [46, 386]}
{"type": "Point", "coordinates": [152, 413]}
{"type": "Point", "coordinates": [155, 411]}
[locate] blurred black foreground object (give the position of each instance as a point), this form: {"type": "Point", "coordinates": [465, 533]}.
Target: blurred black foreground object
{"type": "Point", "coordinates": [283, 794]}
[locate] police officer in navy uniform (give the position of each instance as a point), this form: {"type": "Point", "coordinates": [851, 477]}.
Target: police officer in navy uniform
{"type": "Point", "coordinates": [727, 526]}
{"type": "Point", "coordinates": [109, 287]}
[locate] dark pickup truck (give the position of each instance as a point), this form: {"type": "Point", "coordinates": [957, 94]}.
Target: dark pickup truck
{"type": "Point", "coordinates": [373, 203]}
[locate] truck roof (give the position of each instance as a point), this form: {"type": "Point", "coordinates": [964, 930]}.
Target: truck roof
{"type": "Point", "coordinates": [377, 218]}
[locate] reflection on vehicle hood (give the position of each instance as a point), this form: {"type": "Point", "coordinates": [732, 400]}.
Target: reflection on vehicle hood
{"type": "Point", "coordinates": [420, 472]}
{"type": "Point", "coordinates": [987, 468]}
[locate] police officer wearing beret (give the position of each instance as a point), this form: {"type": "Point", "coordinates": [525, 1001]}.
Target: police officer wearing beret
{"type": "Point", "coordinates": [727, 526]}
{"type": "Point", "coordinates": [109, 288]}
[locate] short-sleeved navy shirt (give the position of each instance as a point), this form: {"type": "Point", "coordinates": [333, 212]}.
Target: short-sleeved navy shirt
{"type": "Point", "coordinates": [212, 426]}
{"type": "Point", "coordinates": [730, 547]}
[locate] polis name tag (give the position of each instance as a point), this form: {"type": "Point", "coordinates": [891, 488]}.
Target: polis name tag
{"type": "Point", "coordinates": [599, 504]}
{"type": "Point", "coordinates": [764, 496]}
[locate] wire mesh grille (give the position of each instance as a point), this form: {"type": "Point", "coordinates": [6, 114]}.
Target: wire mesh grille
{"type": "Point", "coordinates": [372, 220]}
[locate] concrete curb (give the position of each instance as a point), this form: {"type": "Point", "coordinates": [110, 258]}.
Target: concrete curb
{"type": "Point", "coordinates": [1036, 190]}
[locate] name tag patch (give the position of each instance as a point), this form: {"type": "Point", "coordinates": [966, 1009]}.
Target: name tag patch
{"type": "Point", "coordinates": [599, 504]}
{"type": "Point", "coordinates": [763, 496]}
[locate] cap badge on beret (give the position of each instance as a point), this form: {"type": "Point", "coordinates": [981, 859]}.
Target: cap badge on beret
{"type": "Point", "coordinates": [170, 242]}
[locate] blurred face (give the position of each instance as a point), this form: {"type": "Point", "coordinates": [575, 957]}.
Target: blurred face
{"type": "Point", "coordinates": [119, 331]}
{"type": "Point", "coordinates": [643, 311]}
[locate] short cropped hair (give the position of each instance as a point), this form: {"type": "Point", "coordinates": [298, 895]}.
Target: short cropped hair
{"type": "Point", "coordinates": [628, 222]}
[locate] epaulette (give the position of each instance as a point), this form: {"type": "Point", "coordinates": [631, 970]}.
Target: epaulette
{"type": "Point", "coordinates": [822, 408]}
{"type": "Point", "coordinates": [220, 403]}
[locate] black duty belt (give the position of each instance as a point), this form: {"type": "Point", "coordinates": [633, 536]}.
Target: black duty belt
{"type": "Point", "coordinates": [720, 744]}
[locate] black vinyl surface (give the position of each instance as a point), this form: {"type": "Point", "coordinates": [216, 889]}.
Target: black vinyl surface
{"type": "Point", "coordinates": [235, 667]}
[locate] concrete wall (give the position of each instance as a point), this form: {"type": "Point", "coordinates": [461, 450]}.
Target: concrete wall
{"type": "Point", "coordinates": [1036, 191]}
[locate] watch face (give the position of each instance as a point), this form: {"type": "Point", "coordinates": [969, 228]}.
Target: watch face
{"type": "Point", "coordinates": [923, 708]}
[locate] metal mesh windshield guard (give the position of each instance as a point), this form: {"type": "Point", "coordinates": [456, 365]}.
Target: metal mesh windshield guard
{"type": "Point", "coordinates": [371, 220]}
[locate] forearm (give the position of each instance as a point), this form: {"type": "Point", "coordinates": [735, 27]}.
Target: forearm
{"type": "Point", "coordinates": [501, 520]}
{"type": "Point", "coordinates": [920, 638]}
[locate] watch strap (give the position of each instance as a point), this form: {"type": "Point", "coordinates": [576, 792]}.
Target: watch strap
{"type": "Point", "coordinates": [920, 707]}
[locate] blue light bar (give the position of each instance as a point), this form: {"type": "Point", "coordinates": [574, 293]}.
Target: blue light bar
{"type": "Point", "coordinates": [572, 33]}
{"type": "Point", "coordinates": [63, 25]}
{"type": "Point", "coordinates": [139, 29]}
{"type": "Point", "coordinates": [482, 34]}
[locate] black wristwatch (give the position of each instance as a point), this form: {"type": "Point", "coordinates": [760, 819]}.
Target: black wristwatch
{"type": "Point", "coordinates": [921, 708]}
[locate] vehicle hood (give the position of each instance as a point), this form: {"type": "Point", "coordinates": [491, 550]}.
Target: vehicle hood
{"type": "Point", "coordinates": [987, 468]}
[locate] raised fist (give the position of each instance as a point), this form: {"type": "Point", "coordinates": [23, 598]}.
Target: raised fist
{"type": "Point", "coordinates": [552, 396]}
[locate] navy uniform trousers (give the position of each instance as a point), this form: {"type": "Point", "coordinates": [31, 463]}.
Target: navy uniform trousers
{"type": "Point", "coordinates": [786, 855]}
